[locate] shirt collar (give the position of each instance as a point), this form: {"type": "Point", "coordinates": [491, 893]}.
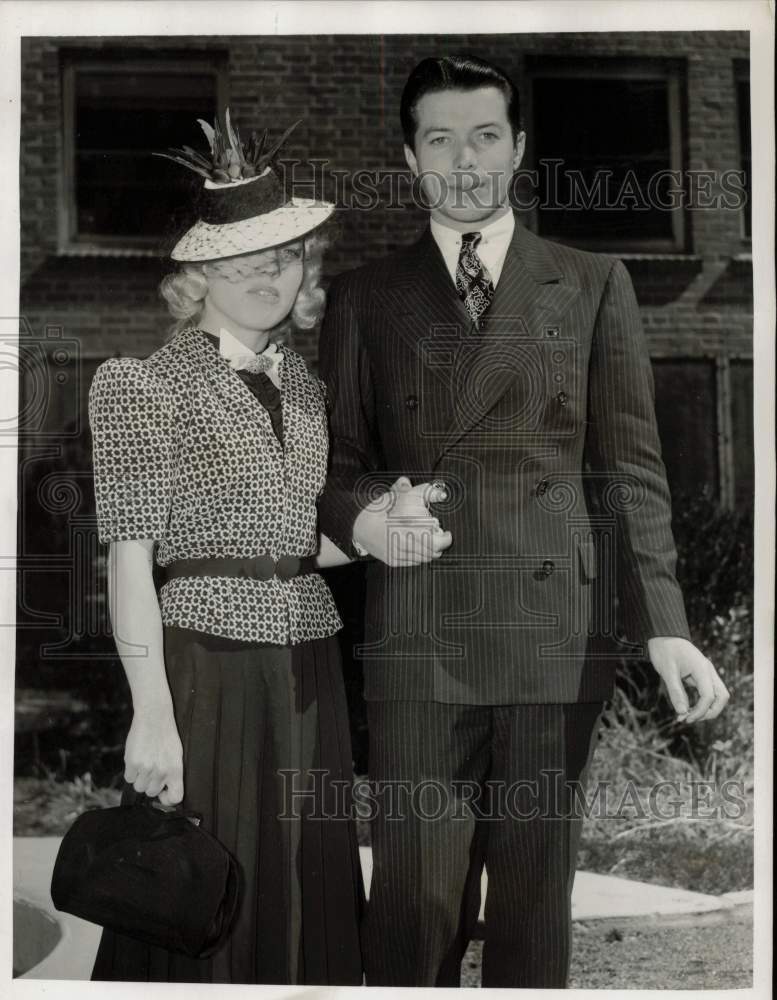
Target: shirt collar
{"type": "Point", "coordinates": [498, 231]}
{"type": "Point", "coordinates": [238, 355]}
{"type": "Point", "coordinates": [492, 249]}
{"type": "Point", "coordinates": [230, 347]}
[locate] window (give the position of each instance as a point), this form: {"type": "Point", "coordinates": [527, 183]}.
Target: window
{"type": "Point", "coordinates": [741, 376]}
{"type": "Point", "coordinates": [704, 409]}
{"type": "Point", "coordinates": [118, 109]}
{"type": "Point", "coordinates": [742, 77]}
{"type": "Point", "coordinates": [606, 139]}
{"type": "Point", "coordinates": [686, 407]}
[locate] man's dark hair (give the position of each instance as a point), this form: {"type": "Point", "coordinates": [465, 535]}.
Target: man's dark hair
{"type": "Point", "coordinates": [455, 73]}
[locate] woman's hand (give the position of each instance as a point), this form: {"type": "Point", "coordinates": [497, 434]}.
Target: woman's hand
{"type": "Point", "coordinates": [153, 756]}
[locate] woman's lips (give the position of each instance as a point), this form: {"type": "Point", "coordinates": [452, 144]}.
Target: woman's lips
{"type": "Point", "coordinates": [265, 292]}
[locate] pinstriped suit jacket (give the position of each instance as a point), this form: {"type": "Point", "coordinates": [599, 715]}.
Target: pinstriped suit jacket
{"type": "Point", "coordinates": [542, 425]}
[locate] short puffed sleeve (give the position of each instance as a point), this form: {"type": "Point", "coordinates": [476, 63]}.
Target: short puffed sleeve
{"type": "Point", "coordinates": [131, 414]}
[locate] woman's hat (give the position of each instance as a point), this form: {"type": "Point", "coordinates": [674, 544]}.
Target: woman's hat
{"type": "Point", "coordinates": [243, 206]}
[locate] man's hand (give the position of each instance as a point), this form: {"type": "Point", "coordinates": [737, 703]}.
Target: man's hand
{"type": "Point", "coordinates": [397, 527]}
{"type": "Point", "coordinates": [680, 663]}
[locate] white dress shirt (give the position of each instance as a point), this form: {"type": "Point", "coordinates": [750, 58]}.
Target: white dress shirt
{"type": "Point", "coordinates": [492, 249]}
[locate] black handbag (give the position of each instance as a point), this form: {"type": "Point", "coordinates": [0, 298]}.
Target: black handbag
{"type": "Point", "coordinates": [150, 872]}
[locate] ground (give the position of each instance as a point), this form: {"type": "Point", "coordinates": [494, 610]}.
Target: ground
{"type": "Point", "coordinates": [710, 951]}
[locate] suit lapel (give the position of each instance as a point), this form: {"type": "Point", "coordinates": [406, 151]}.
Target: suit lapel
{"type": "Point", "coordinates": [422, 310]}
{"type": "Point", "coordinates": [531, 296]}
{"type": "Point", "coordinates": [421, 288]}
{"type": "Point", "coordinates": [462, 372]}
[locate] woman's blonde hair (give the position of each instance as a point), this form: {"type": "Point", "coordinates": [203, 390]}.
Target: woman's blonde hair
{"type": "Point", "coordinates": [184, 292]}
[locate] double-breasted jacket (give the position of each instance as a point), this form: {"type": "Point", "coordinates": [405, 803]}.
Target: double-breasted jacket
{"type": "Point", "coordinates": [541, 423]}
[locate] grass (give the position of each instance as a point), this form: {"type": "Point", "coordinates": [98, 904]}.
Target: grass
{"type": "Point", "coordinates": [684, 821]}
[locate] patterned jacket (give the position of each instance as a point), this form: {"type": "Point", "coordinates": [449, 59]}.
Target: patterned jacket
{"type": "Point", "coordinates": [185, 455]}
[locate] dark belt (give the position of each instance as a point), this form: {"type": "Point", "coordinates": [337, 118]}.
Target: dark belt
{"type": "Point", "coordinates": [262, 567]}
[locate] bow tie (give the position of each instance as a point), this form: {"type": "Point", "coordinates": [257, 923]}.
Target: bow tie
{"type": "Point", "coordinates": [240, 358]}
{"type": "Point", "coordinates": [253, 363]}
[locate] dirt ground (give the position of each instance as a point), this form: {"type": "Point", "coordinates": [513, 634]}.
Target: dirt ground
{"type": "Point", "coordinates": [712, 951]}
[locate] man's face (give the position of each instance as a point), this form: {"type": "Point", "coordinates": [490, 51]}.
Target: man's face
{"type": "Point", "coordinates": [465, 155]}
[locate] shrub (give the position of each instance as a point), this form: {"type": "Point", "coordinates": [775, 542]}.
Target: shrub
{"type": "Point", "coordinates": [715, 558]}
{"type": "Point", "coordinates": [715, 571]}
{"type": "Point", "coordinates": [46, 807]}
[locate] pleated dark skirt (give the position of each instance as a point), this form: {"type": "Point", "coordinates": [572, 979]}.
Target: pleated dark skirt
{"type": "Point", "coordinates": [260, 725]}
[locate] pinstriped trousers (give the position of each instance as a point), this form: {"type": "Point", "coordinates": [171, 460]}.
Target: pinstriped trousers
{"type": "Point", "coordinates": [457, 787]}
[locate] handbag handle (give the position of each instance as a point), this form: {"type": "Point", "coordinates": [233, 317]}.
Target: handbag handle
{"type": "Point", "coordinates": [193, 818]}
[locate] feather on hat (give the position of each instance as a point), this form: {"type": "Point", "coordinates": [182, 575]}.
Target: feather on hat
{"type": "Point", "coordinates": [243, 207]}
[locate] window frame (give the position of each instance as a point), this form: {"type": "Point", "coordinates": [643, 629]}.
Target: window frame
{"type": "Point", "coordinates": [69, 241]}
{"type": "Point", "coordinates": [674, 73]}
{"type": "Point", "coordinates": [724, 414]}
{"type": "Point", "coordinates": [742, 75]}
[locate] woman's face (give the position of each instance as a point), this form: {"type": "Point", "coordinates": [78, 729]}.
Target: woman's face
{"type": "Point", "coordinates": [258, 290]}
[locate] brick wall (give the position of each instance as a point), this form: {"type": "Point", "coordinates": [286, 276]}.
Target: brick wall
{"type": "Point", "coordinates": [347, 90]}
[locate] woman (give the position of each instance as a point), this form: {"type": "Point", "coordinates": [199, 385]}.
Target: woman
{"type": "Point", "coordinates": [208, 457]}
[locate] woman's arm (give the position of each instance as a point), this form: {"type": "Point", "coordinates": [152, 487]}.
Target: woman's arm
{"type": "Point", "coordinates": [153, 755]}
{"type": "Point", "coordinates": [329, 554]}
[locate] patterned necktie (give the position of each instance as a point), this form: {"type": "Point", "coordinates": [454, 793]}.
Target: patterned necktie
{"type": "Point", "coordinates": [473, 282]}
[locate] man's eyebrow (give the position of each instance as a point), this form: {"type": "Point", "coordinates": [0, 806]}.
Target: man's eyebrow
{"type": "Point", "coordinates": [446, 128]}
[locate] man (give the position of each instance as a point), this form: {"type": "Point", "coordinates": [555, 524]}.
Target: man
{"type": "Point", "coordinates": [505, 367]}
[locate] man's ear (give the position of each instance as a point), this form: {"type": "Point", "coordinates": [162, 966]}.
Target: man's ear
{"type": "Point", "coordinates": [411, 160]}
{"type": "Point", "coordinates": [519, 149]}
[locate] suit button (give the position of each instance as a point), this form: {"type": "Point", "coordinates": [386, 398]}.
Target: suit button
{"type": "Point", "coordinates": [541, 488]}
{"type": "Point", "coordinates": [412, 402]}
{"type": "Point", "coordinates": [547, 567]}
{"type": "Point", "coordinates": [562, 398]}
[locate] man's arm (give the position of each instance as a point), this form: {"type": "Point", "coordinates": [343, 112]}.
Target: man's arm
{"type": "Point", "coordinates": [354, 452]}
{"type": "Point", "coordinates": [359, 497]}
{"type": "Point", "coordinates": [622, 444]}
{"type": "Point", "coordinates": [624, 449]}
